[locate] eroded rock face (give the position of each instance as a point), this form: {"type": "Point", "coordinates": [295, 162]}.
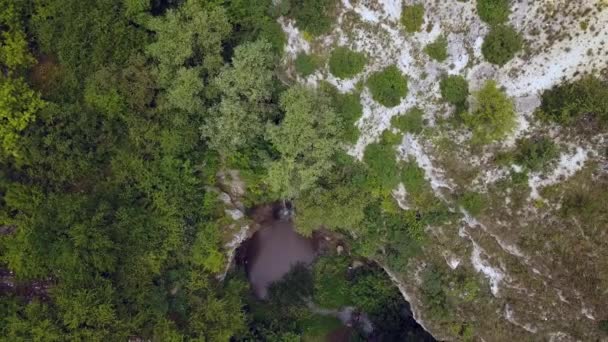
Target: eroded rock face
{"type": "Point", "coordinates": [543, 276]}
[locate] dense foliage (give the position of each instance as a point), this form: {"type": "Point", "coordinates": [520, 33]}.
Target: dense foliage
{"type": "Point", "coordinates": [104, 175]}
{"type": "Point", "coordinates": [388, 86]}
{"type": "Point", "coordinates": [344, 63]}
{"type": "Point", "coordinates": [501, 44]}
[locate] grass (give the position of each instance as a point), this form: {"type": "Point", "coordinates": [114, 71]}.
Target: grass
{"type": "Point", "coordinates": [344, 63]}
{"type": "Point", "coordinates": [388, 86]}
{"type": "Point", "coordinates": [438, 50]}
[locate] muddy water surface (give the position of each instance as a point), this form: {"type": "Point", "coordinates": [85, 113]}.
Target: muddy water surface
{"type": "Point", "coordinates": [272, 252]}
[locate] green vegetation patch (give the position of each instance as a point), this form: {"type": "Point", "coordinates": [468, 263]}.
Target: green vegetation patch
{"type": "Point", "coordinates": [313, 16]}
{"type": "Point", "coordinates": [454, 89]}
{"type": "Point", "coordinates": [381, 160]}
{"type": "Point", "coordinates": [569, 102]}
{"type": "Point", "coordinates": [388, 86]}
{"type": "Point", "coordinates": [348, 108]}
{"type": "Point", "coordinates": [536, 153]}
{"type": "Point", "coordinates": [412, 17]}
{"type": "Point", "coordinates": [316, 328]}
{"type": "Point", "coordinates": [494, 12]}
{"type": "Point", "coordinates": [501, 44]}
{"type": "Point", "coordinates": [345, 63]}
{"type": "Point", "coordinates": [438, 50]}
{"type": "Point", "coordinates": [306, 65]}
{"type": "Point", "coordinates": [494, 115]}
{"type": "Point", "coordinates": [473, 202]}
{"type": "Point", "coordinates": [331, 288]}
{"type": "Point", "coordinates": [410, 122]}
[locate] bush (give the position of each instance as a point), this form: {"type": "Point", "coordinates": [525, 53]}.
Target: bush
{"type": "Point", "coordinates": [313, 16]}
{"type": "Point", "coordinates": [438, 50]}
{"type": "Point", "coordinates": [388, 86]}
{"type": "Point", "coordinates": [411, 122]}
{"type": "Point", "coordinates": [344, 63]}
{"type": "Point", "coordinates": [501, 45]}
{"type": "Point", "coordinates": [412, 17]}
{"type": "Point", "coordinates": [568, 102]}
{"type": "Point", "coordinates": [306, 64]}
{"type": "Point", "coordinates": [472, 202]}
{"type": "Point", "coordinates": [454, 89]}
{"type": "Point", "coordinates": [493, 117]}
{"type": "Point", "coordinates": [493, 12]}
{"type": "Point", "coordinates": [534, 154]}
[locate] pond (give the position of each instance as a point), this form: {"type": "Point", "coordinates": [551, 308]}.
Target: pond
{"type": "Point", "coordinates": [273, 251]}
{"type": "Point", "coordinates": [270, 256]}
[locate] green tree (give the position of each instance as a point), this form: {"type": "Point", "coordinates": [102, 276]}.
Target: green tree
{"type": "Point", "coordinates": [18, 107]}
{"type": "Point", "coordinates": [246, 99]}
{"type": "Point", "coordinates": [493, 115]}
{"type": "Point", "coordinates": [307, 140]}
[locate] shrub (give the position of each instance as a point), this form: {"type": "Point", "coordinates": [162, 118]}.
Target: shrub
{"type": "Point", "coordinates": [411, 122]}
{"type": "Point", "coordinates": [454, 89]}
{"type": "Point", "coordinates": [438, 50]}
{"type": "Point", "coordinates": [344, 63]}
{"type": "Point", "coordinates": [535, 153]}
{"type": "Point", "coordinates": [313, 16]}
{"type": "Point", "coordinates": [472, 202]}
{"type": "Point", "coordinates": [349, 109]}
{"type": "Point", "coordinates": [568, 102]}
{"type": "Point", "coordinates": [412, 17]}
{"type": "Point", "coordinates": [501, 45]}
{"type": "Point", "coordinates": [493, 12]}
{"type": "Point", "coordinates": [306, 64]}
{"type": "Point", "coordinates": [493, 117]}
{"type": "Point", "coordinates": [388, 86]}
